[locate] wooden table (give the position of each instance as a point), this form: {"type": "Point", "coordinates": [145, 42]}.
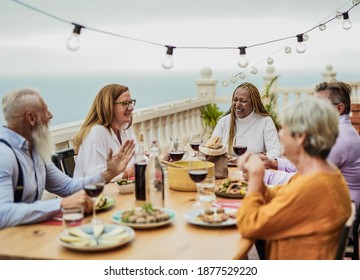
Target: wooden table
{"type": "Point", "coordinates": [179, 240]}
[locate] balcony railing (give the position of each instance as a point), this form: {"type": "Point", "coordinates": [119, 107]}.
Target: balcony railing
{"type": "Point", "coordinates": [179, 118]}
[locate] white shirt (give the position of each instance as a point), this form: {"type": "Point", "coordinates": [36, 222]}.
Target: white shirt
{"type": "Point", "coordinates": [94, 150]}
{"type": "Point", "coordinates": [260, 133]}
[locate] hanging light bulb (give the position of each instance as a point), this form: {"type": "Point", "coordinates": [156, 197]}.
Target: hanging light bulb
{"type": "Point", "coordinates": [355, 2]}
{"type": "Point", "coordinates": [322, 27]}
{"type": "Point", "coordinates": [288, 49]}
{"type": "Point", "coordinates": [305, 37]}
{"type": "Point", "coordinates": [254, 70]}
{"type": "Point", "coordinates": [73, 43]}
{"type": "Point", "coordinates": [338, 15]}
{"type": "Point", "coordinates": [270, 61]}
{"type": "Point", "coordinates": [346, 23]}
{"type": "Point", "coordinates": [242, 76]}
{"type": "Point", "coordinates": [233, 79]}
{"type": "Point", "coordinates": [168, 62]}
{"type": "Point", "coordinates": [225, 83]}
{"type": "Point", "coordinates": [243, 61]}
{"type": "Point", "coordinates": [300, 47]}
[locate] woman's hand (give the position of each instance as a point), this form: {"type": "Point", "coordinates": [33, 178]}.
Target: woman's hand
{"type": "Point", "coordinates": [117, 163]}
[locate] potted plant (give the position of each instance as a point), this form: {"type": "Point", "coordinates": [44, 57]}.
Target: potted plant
{"type": "Point", "coordinates": [210, 115]}
{"type": "Point", "coordinates": [269, 99]}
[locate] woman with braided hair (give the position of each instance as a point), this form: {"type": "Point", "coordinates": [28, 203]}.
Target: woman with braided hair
{"type": "Point", "coordinates": [248, 117]}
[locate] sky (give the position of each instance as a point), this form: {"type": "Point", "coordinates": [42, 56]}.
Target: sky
{"type": "Point", "coordinates": [34, 44]}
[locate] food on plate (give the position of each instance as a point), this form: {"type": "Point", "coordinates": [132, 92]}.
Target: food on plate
{"type": "Point", "coordinates": [100, 201]}
{"type": "Point", "coordinates": [214, 143]}
{"type": "Point", "coordinates": [145, 214]}
{"type": "Point", "coordinates": [98, 229]}
{"type": "Point", "coordinates": [232, 186]}
{"type": "Point", "coordinates": [125, 182]}
{"type": "Point", "coordinates": [215, 216]}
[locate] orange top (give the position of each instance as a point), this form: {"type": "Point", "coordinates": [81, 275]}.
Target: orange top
{"type": "Point", "coordinates": [299, 220]}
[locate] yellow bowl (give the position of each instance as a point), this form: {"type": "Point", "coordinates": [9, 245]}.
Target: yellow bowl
{"type": "Point", "coordinates": [179, 179]}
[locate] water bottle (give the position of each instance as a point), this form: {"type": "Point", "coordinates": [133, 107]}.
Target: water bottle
{"type": "Point", "coordinates": [155, 191]}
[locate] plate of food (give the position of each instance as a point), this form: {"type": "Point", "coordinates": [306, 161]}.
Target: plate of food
{"type": "Point", "coordinates": [144, 217]}
{"type": "Point", "coordinates": [231, 188]}
{"type": "Point", "coordinates": [104, 202]}
{"type": "Point", "coordinates": [212, 217]}
{"type": "Point", "coordinates": [98, 237]}
{"type": "Point", "coordinates": [126, 186]}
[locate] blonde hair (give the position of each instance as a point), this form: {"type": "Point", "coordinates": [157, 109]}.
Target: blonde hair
{"type": "Point", "coordinates": [315, 118]}
{"type": "Point", "coordinates": [101, 111]}
{"type": "Point", "coordinates": [257, 104]}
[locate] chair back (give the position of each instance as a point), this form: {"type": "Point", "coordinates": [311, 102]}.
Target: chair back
{"type": "Point", "coordinates": [352, 250]}
{"type": "Point", "coordinates": [344, 235]}
{"type": "Point", "coordinates": [65, 161]}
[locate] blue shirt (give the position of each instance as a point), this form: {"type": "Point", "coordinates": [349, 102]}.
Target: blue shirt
{"type": "Point", "coordinates": [37, 178]}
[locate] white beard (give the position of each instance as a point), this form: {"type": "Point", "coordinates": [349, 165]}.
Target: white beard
{"type": "Point", "coordinates": [43, 142]}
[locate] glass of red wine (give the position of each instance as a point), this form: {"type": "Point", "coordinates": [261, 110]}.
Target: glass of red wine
{"type": "Point", "coordinates": [196, 139]}
{"type": "Point", "coordinates": [176, 150]}
{"type": "Point", "coordinates": [197, 172]}
{"type": "Point", "coordinates": [94, 190]}
{"type": "Point", "coordinates": [239, 145]}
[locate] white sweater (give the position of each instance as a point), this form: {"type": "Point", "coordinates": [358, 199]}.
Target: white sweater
{"type": "Point", "coordinates": [94, 150]}
{"type": "Point", "coordinates": [260, 132]}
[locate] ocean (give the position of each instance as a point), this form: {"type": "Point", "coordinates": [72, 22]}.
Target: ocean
{"type": "Point", "coordinates": [69, 97]}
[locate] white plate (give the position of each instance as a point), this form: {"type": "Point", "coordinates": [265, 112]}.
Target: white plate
{"type": "Point", "coordinates": [116, 218]}
{"type": "Point", "coordinates": [89, 230]}
{"type": "Point", "coordinates": [192, 218]}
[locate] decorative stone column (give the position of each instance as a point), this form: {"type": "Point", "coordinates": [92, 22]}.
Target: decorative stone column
{"type": "Point", "coordinates": [329, 74]}
{"type": "Point", "coordinates": [206, 86]}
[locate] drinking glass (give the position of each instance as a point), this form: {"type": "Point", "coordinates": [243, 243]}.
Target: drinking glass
{"type": "Point", "coordinates": [176, 150]}
{"type": "Point", "coordinates": [196, 139]}
{"type": "Point", "coordinates": [72, 217]}
{"type": "Point", "coordinates": [198, 173]}
{"type": "Point", "coordinates": [239, 145]}
{"type": "Point", "coordinates": [94, 190]}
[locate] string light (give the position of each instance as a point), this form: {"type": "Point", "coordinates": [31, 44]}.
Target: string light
{"type": "Point", "coordinates": [346, 23]}
{"type": "Point", "coordinates": [300, 47]}
{"type": "Point", "coordinates": [270, 61]}
{"type": "Point", "coordinates": [168, 61]}
{"type": "Point", "coordinates": [243, 61]}
{"type": "Point", "coordinates": [73, 43]}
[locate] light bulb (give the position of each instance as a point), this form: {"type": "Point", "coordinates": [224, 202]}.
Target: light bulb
{"type": "Point", "coordinates": [300, 47]}
{"type": "Point", "coordinates": [168, 62]}
{"type": "Point", "coordinates": [243, 61]}
{"type": "Point", "coordinates": [346, 23]}
{"type": "Point", "coordinates": [288, 49]}
{"type": "Point", "coordinates": [73, 43]}
{"type": "Point", "coordinates": [242, 76]}
{"type": "Point", "coordinates": [322, 27]}
{"type": "Point", "coordinates": [225, 83]}
{"type": "Point", "coordinates": [270, 61]}
{"type": "Point", "coordinates": [233, 80]}
{"type": "Point", "coordinates": [305, 37]}
{"type": "Point", "coordinates": [355, 2]}
{"type": "Point", "coordinates": [254, 70]}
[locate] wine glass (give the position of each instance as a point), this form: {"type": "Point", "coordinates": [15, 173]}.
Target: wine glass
{"type": "Point", "coordinates": [197, 172]}
{"type": "Point", "coordinates": [239, 145]}
{"type": "Point", "coordinates": [94, 190]}
{"type": "Point", "coordinates": [176, 150]}
{"type": "Point", "coordinates": [196, 139]}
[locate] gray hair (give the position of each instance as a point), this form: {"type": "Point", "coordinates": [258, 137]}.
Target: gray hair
{"type": "Point", "coordinates": [315, 118]}
{"type": "Point", "coordinates": [17, 102]}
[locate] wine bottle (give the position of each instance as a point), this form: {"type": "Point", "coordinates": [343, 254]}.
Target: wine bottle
{"type": "Point", "coordinates": [140, 171]}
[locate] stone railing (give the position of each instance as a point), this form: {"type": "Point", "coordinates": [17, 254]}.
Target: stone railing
{"type": "Point", "coordinates": [179, 118]}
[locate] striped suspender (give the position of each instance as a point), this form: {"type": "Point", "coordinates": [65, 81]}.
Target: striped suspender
{"type": "Point", "coordinates": [20, 183]}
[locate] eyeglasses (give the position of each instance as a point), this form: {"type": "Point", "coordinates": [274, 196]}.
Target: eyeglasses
{"type": "Point", "coordinates": [127, 104]}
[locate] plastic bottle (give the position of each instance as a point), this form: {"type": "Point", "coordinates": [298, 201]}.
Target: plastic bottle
{"type": "Point", "coordinates": [141, 162]}
{"type": "Point", "coordinates": [155, 191]}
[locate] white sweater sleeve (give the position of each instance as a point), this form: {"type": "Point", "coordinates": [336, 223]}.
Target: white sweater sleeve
{"type": "Point", "coordinates": [271, 139]}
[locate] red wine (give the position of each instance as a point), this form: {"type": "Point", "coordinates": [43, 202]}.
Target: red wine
{"type": "Point", "coordinates": [140, 184]}
{"type": "Point", "coordinates": [239, 150]}
{"type": "Point", "coordinates": [195, 146]}
{"type": "Point", "coordinates": [94, 190]}
{"type": "Point", "coordinates": [175, 156]}
{"type": "Point", "coordinates": [198, 175]}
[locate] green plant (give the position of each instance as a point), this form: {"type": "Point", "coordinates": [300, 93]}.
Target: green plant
{"type": "Point", "coordinates": [210, 115]}
{"type": "Point", "coordinates": [269, 99]}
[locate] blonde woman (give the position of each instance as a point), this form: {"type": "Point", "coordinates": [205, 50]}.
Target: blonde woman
{"type": "Point", "coordinates": [107, 125]}
{"type": "Point", "coordinates": [248, 117]}
{"type": "Point", "coordinates": [301, 219]}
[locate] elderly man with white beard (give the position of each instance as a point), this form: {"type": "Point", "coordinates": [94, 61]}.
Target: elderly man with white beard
{"type": "Point", "coordinates": [26, 169]}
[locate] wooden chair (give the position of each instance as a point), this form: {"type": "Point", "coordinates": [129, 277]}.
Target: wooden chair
{"type": "Point", "coordinates": [64, 160]}
{"type": "Point", "coordinates": [352, 250]}
{"type": "Point", "coordinates": [344, 235]}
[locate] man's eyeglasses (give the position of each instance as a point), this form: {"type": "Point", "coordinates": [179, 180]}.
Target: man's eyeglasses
{"type": "Point", "coordinates": [127, 104]}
